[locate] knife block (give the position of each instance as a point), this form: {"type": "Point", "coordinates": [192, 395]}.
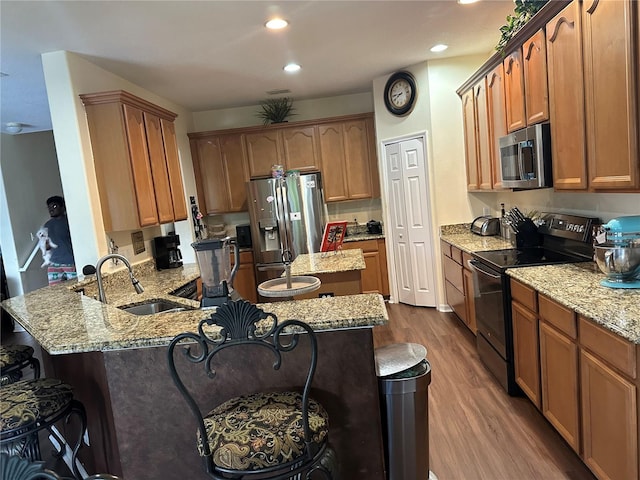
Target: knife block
{"type": "Point", "coordinates": [528, 235]}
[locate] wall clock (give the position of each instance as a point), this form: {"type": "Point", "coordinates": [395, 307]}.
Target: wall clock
{"type": "Point", "coordinates": [400, 93]}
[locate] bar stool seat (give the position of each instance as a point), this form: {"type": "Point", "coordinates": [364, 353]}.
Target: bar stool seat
{"type": "Point", "coordinates": [14, 359]}
{"type": "Point", "coordinates": [29, 406]}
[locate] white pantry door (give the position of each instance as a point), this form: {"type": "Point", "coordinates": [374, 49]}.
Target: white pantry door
{"type": "Point", "coordinates": [410, 212]}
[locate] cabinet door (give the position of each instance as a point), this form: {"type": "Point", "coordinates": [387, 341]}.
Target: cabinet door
{"type": "Point", "coordinates": [535, 79]}
{"type": "Point", "coordinates": [210, 175]}
{"type": "Point", "coordinates": [300, 147]}
{"type": "Point", "coordinates": [470, 141]}
{"type": "Point", "coordinates": [235, 170]}
{"type": "Point", "coordinates": [455, 299]}
{"type": "Point", "coordinates": [566, 95]}
{"type": "Point", "coordinates": [526, 351]}
{"type": "Point", "coordinates": [263, 150]}
{"type": "Point", "coordinates": [609, 30]}
{"type": "Point", "coordinates": [609, 420]}
{"type": "Point", "coordinates": [559, 379]}
{"type": "Point", "coordinates": [483, 135]}
{"type": "Point", "coordinates": [497, 120]}
{"type": "Point", "coordinates": [158, 162]}
{"type": "Point", "coordinates": [173, 168]}
{"type": "Point", "coordinates": [333, 155]}
{"type": "Point", "coordinates": [514, 91]}
{"type": "Point", "coordinates": [372, 274]}
{"type": "Point", "coordinates": [384, 269]}
{"type": "Point", "coordinates": [357, 165]}
{"type": "Point", "coordinates": [245, 280]}
{"type": "Point", "coordinates": [139, 154]}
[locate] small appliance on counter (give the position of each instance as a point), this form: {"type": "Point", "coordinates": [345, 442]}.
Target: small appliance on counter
{"type": "Point", "coordinates": [619, 256]}
{"type": "Point", "coordinates": [374, 227]}
{"type": "Point", "coordinates": [486, 226]}
{"type": "Point", "coordinates": [243, 236]}
{"type": "Point", "coordinates": [214, 260]}
{"type": "Point", "coordinates": [166, 252]}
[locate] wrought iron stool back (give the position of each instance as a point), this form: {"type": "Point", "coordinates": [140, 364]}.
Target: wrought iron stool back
{"type": "Point", "coordinates": [263, 434]}
{"type": "Point", "coordinates": [17, 468]}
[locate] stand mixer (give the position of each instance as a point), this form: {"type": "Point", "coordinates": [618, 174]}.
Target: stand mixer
{"type": "Point", "coordinates": [619, 256]}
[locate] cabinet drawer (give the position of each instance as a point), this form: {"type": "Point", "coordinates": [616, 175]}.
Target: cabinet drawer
{"type": "Point", "coordinates": [365, 245]}
{"type": "Point", "coordinates": [456, 254]}
{"type": "Point", "coordinates": [525, 295]}
{"type": "Point", "coordinates": [453, 273]}
{"type": "Point", "coordinates": [561, 317]}
{"type": "Point", "coordinates": [455, 299]}
{"type": "Point", "coordinates": [613, 349]}
{"type": "Point", "coordinates": [446, 248]}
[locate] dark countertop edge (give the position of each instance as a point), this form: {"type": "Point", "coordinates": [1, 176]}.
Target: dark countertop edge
{"type": "Point", "coordinates": [360, 237]}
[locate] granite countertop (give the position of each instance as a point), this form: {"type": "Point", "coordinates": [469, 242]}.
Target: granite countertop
{"type": "Point", "coordinates": [576, 286]}
{"type": "Point", "coordinates": [359, 233]}
{"type": "Point", "coordinates": [328, 262]}
{"type": "Point", "coordinates": [65, 321]}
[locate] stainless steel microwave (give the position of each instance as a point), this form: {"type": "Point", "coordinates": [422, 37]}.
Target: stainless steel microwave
{"type": "Point", "coordinates": [525, 158]}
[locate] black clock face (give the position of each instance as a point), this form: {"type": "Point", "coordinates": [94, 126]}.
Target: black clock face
{"type": "Point", "coordinates": [400, 93]}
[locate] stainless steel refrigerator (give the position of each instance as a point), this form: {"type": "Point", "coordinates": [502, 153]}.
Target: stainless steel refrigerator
{"type": "Point", "coordinates": [287, 214]}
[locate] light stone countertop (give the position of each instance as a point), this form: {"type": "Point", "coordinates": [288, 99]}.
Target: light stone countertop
{"type": "Point", "coordinates": [328, 262]}
{"type": "Point", "coordinates": [576, 286]}
{"type": "Point", "coordinates": [65, 321]}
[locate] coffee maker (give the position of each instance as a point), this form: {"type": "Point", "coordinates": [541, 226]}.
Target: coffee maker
{"type": "Point", "coordinates": [166, 252]}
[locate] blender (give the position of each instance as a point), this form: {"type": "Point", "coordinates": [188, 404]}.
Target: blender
{"type": "Point", "coordinates": [619, 256]}
{"type": "Point", "coordinates": [214, 262]}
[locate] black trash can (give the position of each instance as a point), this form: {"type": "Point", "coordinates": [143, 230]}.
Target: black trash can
{"type": "Point", "coordinates": [404, 375]}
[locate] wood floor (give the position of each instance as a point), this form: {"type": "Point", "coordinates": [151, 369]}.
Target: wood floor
{"type": "Point", "coordinates": [476, 430]}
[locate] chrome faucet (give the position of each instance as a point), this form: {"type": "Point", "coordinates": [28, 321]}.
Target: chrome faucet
{"type": "Point", "coordinates": [134, 280]}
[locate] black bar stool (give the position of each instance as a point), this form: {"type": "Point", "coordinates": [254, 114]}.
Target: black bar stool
{"type": "Point", "coordinates": [13, 360]}
{"type": "Point", "coordinates": [29, 406]}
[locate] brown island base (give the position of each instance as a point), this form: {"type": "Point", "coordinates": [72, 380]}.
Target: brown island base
{"type": "Point", "coordinates": [139, 426]}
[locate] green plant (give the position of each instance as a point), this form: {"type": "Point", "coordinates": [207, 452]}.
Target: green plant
{"type": "Point", "coordinates": [276, 110]}
{"type": "Point", "coordinates": [524, 10]}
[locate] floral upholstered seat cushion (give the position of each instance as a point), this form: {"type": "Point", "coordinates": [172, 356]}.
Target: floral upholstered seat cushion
{"type": "Point", "coordinates": [24, 403]}
{"type": "Point", "coordinates": [11, 355]}
{"type": "Point", "coordinates": [262, 430]}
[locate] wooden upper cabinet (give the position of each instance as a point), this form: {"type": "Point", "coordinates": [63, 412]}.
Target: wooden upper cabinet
{"type": "Point", "coordinates": [346, 148]}
{"type": "Point", "coordinates": [566, 99]}
{"type": "Point", "coordinates": [497, 120]}
{"type": "Point", "coordinates": [264, 149]}
{"type": "Point", "coordinates": [611, 93]}
{"type": "Point", "coordinates": [159, 172]}
{"type": "Point", "coordinates": [470, 140]}
{"type": "Point", "coordinates": [173, 167]}
{"type": "Point", "coordinates": [534, 54]}
{"type": "Point", "coordinates": [514, 91]}
{"type": "Point", "coordinates": [135, 159]}
{"type": "Point", "coordinates": [220, 173]}
{"type": "Point", "coordinates": [300, 148]}
{"type": "Point", "coordinates": [483, 135]}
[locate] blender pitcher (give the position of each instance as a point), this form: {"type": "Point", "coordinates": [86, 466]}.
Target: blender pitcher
{"type": "Point", "coordinates": [214, 262]}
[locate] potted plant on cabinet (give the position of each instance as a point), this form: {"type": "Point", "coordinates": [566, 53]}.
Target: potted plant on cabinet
{"type": "Point", "coordinates": [276, 110]}
{"type": "Point", "coordinates": [524, 10]}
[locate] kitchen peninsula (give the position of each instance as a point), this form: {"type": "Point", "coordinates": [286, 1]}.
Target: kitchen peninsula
{"type": "Point", "coordinates": [138, 424]}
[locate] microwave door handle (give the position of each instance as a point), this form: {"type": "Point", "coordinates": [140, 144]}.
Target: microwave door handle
{"type": "Point", "coordinates": [520, 162]}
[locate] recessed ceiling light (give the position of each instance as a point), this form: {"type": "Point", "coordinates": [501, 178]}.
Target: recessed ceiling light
{"type": "Point", "coordinates": [467, 2]}
{"type": "Point", "coordinates": [276, 23]}
{"type": "Point", "coordinates": [291, 67]}
{"type": "Point", "coordinates": [14, 127]}
{"type": "Point", "coordinates": [439, 48]}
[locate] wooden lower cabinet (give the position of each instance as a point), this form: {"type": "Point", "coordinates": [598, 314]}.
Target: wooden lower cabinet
{"type": "Point", "coordinates": [588, 382]}
{"type": "Point", "coordinates": [458, 284]}
{"type": "Point", "coordinates": [375, 278]}
{"type": "Point", "coordinates": [245, 281]}
{"type": "Point", "coordinates": [559, 374]}
{"type": "Point", "coordinates": [526, 351]}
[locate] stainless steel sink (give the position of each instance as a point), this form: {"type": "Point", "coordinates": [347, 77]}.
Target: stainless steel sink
{"type": "Point", "coordinates": [154, 306]}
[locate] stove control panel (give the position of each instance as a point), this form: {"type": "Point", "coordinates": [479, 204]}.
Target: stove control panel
{"type": "Point", "coordinates": [568, 226]}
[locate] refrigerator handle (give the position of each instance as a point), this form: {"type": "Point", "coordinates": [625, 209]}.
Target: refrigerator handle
{"type": "Point", "coordinates": [281, 201]}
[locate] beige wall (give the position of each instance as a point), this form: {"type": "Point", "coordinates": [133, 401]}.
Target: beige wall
{"type": "Point", "coordinates": [67, 75]}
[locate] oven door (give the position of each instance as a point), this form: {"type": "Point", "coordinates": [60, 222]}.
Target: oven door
{"type": "Point", "coordinates": [489, 304]}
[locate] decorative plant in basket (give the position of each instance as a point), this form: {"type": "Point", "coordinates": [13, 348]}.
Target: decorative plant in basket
{"type": "Point", "coordinates": [276, 110]}
{"type": "Point", "coordinates": [524, 10]}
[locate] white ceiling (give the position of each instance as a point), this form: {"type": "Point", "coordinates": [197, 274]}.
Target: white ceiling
{"type": "Point", "coordinates": [207, 55]}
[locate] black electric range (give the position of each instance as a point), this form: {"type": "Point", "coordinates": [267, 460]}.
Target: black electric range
{"type": "Point", "coordinates": [558, 239]}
